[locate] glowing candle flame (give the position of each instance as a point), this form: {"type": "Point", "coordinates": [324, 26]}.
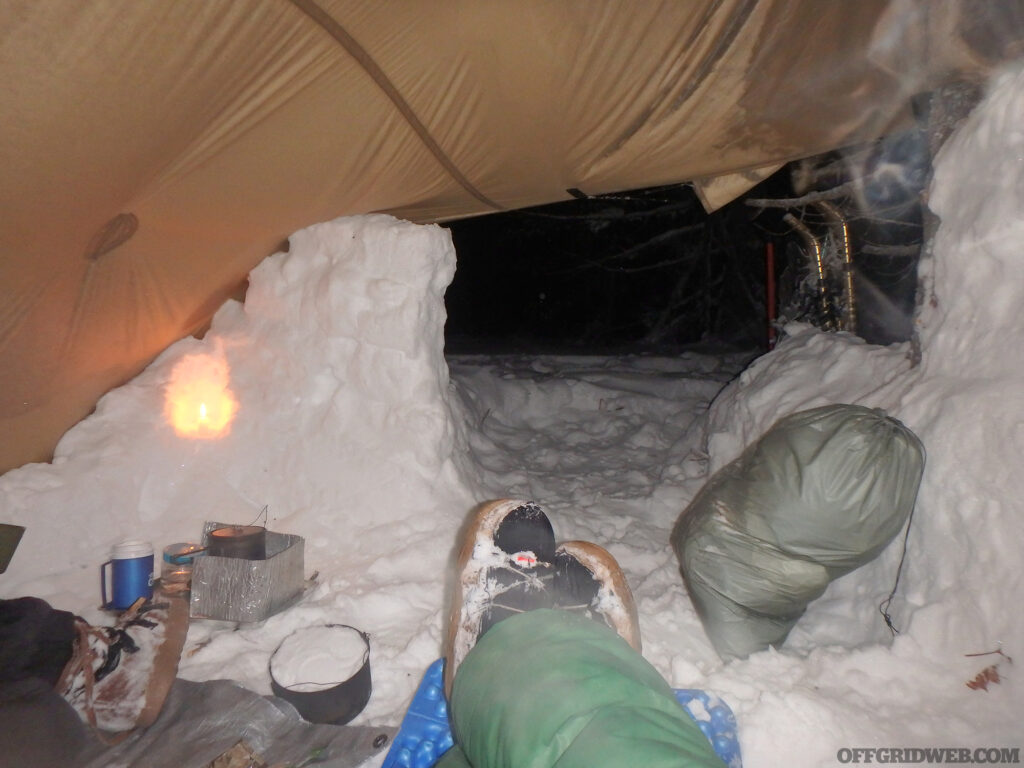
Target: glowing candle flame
{"type": "Point", "coordinates": [199, 403]}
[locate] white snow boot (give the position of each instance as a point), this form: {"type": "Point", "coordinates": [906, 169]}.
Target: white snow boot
{"type": "Point", "coordinates": [505, 567]}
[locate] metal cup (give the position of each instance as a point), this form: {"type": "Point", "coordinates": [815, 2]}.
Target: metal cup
{"type": "Point", "coordinates": [176, 568]}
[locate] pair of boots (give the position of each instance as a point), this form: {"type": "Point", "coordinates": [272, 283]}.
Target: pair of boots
{"type": "Point", "coordinates": [510, 563]}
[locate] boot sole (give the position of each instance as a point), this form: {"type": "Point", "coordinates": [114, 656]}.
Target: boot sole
{"type": "Point", "coordinates": [464, 628]}
{"type": "Point", "coordinates": [615, 598]}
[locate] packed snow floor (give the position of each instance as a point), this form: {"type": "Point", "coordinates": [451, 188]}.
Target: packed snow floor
{"type": "Point", "coordinates": [356, 433]}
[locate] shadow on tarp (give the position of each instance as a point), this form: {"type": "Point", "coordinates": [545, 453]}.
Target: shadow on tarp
{"type": "Point", "coordinates": [200, 721]}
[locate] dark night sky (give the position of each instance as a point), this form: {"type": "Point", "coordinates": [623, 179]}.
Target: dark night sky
{"type": "Point", "coordinates": [646, 271]}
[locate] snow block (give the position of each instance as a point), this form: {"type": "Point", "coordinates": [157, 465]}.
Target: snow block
{"type": "Point", "coordinates": [425, 734]}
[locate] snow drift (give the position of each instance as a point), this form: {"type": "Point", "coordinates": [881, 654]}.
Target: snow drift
{"type": "Point", "coordinates": [965, 400]}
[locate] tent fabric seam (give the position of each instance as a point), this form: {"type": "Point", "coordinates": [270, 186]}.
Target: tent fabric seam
{"type": "Point", "coordinates": [336, 30]}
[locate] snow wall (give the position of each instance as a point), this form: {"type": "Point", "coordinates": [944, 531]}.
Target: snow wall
{"type": "Point", "coordinates": [962, 581]}
{"type": "Point", "coordinates": [344, 432]}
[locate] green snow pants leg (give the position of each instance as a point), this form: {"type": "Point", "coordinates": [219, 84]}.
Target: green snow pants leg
{"type": "Point", "coordinates": [550, 688]}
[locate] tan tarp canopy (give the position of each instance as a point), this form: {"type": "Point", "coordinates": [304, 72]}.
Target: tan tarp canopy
{"type": "Point", "coordinates": [153, 151]}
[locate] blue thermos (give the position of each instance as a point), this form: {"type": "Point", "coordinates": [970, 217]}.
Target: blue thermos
{"type": "Point", "coordinates": [131, 574]}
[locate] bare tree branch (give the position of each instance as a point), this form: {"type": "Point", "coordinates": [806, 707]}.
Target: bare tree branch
{"type": "Point", "coordinates": [603, 263]}
{"type": "Point", "coordinates": [843, 190]}
{"type": "Point", "coordinates": [891, 250]}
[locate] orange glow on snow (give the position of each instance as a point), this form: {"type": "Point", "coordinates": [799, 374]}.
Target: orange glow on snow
{"type": "Point", "coordinates": [199, 403]}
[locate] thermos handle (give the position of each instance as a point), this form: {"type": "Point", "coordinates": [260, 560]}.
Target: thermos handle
{"type": "Point", "coordinates": [103, 583]}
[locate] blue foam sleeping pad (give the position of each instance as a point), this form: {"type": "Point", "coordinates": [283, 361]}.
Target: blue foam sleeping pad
{"type": "Point", "coordinates": [425, 734]}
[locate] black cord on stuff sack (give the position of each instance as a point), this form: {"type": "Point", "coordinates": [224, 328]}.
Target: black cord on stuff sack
{"type": "Point", "coordinates": [883, 607]}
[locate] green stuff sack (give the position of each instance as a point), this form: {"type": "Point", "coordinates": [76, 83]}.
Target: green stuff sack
{"type": "Point", "coordinates": [820, 494]}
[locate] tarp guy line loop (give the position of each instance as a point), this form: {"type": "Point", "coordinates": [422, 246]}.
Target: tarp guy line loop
{"type": "Point", "coordinates": [114, 233]}
{"type": "Point", "coordinates": [357, 52]}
